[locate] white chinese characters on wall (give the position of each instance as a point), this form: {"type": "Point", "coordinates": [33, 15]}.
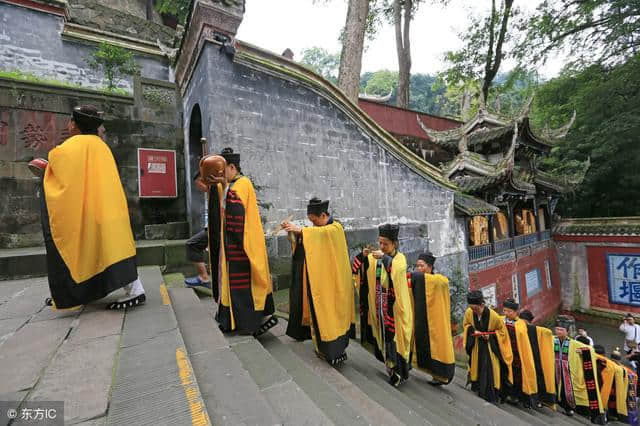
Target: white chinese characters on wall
{"type": "Point", "coordinates": [623, 276]}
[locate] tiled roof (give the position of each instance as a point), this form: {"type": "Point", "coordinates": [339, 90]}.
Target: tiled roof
{"type": "Point", "coordinates": [599, 226]}
{"type": "Point", "coordinates": [476, 183]}
{"type": "Point", "coordinates": [473, 206]}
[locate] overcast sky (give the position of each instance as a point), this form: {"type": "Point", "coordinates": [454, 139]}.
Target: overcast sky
{"type": "Point", "coordinates": [298, 24]}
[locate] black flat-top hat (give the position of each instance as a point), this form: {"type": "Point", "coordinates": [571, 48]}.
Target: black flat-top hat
{"type": "Point", "coordinates": [316, 206]}
{"type": "Point", "coordinates": [511, 304]}
{"type": "Point", "coordinates": [564, 321]}
{"type": "Point", "coordinates": [87, 118]}
{"type": "Point", "coordinates": [475, 297]}
{"type": "Point", "coordinates": [230, 156]}
{"type": "Point", "coordinates": [427, 258]}
{"type": "Point", "coordinates": [527, 315]}
{"type": "Point", "coordinates": [389, 230]}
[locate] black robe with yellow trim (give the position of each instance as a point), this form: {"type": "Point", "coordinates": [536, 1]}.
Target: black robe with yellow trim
{"type": "Point", "coordinates": [321, 298]}
{"type": "Point", "coordinates": [433, 342]}
{"type": "Point", "coordinates": [490, 359]}
{"type": "Point", "coordinates": [523, 366]}
{"type": "Point", "coordinates": [240, 267]}
{"type": "Point", "coordinates": [390, 311]}
{"type": "Point", "coordinates": [541, 339]}
{"type": "Point", "coordinates": [85, 222]}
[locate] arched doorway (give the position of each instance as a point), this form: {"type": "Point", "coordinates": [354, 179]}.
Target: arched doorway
{"type": "Point", "coordinates": [196, 198]}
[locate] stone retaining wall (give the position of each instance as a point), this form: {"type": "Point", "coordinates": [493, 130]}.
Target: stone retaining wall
{"type": "Point", "coordinates": [33, 120]}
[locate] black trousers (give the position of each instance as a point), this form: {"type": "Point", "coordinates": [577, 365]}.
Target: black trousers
{"type": "Point", "coordinates": [196, 246]}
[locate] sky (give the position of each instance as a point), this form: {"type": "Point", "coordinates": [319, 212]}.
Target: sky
{"type": "Point", "coordinates": [298, 24]}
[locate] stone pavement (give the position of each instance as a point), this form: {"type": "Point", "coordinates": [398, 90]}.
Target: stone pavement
{"type": "Point", "coordinates": [167, 363]}
{"type": "Point", "coordinates": [109, 367]}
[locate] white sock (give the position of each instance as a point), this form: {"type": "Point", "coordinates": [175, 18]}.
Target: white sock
{"type": "Point", "coordinates": [133, 289]}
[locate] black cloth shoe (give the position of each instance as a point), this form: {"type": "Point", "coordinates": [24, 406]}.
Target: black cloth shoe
{"type": "Point", "coordinates": [271, 322]}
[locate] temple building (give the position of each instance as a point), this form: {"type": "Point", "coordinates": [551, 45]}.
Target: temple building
{"type": "Point", "coordinates": [506, 201]}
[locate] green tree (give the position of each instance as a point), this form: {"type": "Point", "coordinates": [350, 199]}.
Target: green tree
{"type": "Point", "coordinates": [607, 130]}
{"type": "Point", "coordinates": [114, 62]}
{"type": "Point", "coordinates": [425, 94]}
{"type": "Point", "coordinates": [591, 31]}
{"type": "Point", "coordinates": [322, 62]}
{"type": "Point", "coordinates": [177, 8]}
{"type": "Point", "coordinates": [382, 83]}
{"type": "Point", "coordinates": [486, 45]}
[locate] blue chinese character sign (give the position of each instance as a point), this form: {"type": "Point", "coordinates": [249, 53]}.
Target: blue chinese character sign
{"type": "Point", "coordinates": [623, 272]}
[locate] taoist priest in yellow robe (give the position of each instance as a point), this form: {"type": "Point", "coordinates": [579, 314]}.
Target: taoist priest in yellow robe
{"type": "Point", "coordinates": [432, 344]}
{"type": "Point", "coordinates": [541, 339]}
{"type": "Point", "coordinates": [576, 375]}
{"type": "Point", "coordinates": [238, 253]}
{"type": "Point", "coordinates": [525, 384]}
{"type": "Point", "coordinates": [85, 221]}
{"type": "Point", "coordinates": [486, 342]}
{"type": "Point", "coordinates": [321, 295]}
{"type": "Point", "coordinates": [389, 305]}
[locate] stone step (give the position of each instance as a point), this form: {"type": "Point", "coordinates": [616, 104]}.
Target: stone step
{"type": "Point", "coordinates": [375, 404]}
{"type": "Point", "coordinates": [154, 382]}
{"type": "Point", "coordinates": [343, 381]}
{"type": "Point", "coordinates": [331, 402]}
{"type": "Point", "coordinates": [230, 393]}
{"type": "Point", "coordinates": [32, 261]}
{"type": "Point", "coordinates": [451, 405]}
{"type": "Point", "coordinates": [544, 416]}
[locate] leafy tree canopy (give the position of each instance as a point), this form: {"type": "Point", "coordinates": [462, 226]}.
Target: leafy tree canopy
{"type": "Point", "coordinates": [607, 130]}
{"type": "Point", "coordinates": [590, 31]}
{"type": "Point", "coordinates": [322, 62]}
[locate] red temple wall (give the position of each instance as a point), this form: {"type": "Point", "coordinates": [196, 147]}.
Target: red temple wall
{"type": "Point", "coordinates": [544, 302]}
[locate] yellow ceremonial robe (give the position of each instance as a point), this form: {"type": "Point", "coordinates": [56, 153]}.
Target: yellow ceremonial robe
{"type": "Point", "coordinates": [489, 359]}
{"type": "Point", "coordinates": [612, 373]}
{"type": "Point", "coordinates": [390, 326]}
{"type": "Point", "coordinates": [432, 343]}
{"type": "Point", "coordinates": [90, 246]}
{"type": "Point", "coordinates": [237, 245]}
{"type": "Point", "coordinates": [541, 339]}
{"type": "Point", "coordinates": [527, 367]}
{"type": "Point", "coordinates": [326, 279]}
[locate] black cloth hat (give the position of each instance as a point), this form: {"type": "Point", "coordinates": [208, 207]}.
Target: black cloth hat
{"type": "Point", "coordinates": [427, 258]}
{"type": "Point", "coordinates": [230, 156]}
{"type": "Point", "coordinates": [87, 118]}
{"type": "Point", "coordinates": [389, 231]}
{"type": "Point", "coordinates": [527, 315]}
{"type": "Point", "coordinates": [511, 304]}
{"type": "Point", "coordinates": [563, 321]}
{"type": "Point", "coordinates": [599, 349]}
{"type": "Point", "coordinates": [316, 206]}
{"type": "Point", "coordinates": [475, 297]}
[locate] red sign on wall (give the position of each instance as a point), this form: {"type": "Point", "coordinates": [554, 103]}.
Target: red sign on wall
{"type": "Point", "coordinates": [157, 177]}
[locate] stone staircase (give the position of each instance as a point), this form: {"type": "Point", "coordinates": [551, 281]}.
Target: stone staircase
{"type": "Point", "coordinates": [167, 363]}
{"type": "Point", "coordinates": [276, 380]}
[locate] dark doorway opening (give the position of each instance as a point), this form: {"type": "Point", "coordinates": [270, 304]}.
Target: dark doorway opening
{"type": "Point", "coordinates": [195, 153]}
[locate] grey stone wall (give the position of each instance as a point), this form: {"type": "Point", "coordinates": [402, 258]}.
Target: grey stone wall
{"type": "Point", "coordinates": [295, 144]}
{"type": "Point", "coordinates": [31, 42]}
{"type": "Point", "coordinates": [33, 120]}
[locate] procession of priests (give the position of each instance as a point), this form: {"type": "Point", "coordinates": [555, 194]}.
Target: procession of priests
{"type": "Point", "coordinates": [398, 311]}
